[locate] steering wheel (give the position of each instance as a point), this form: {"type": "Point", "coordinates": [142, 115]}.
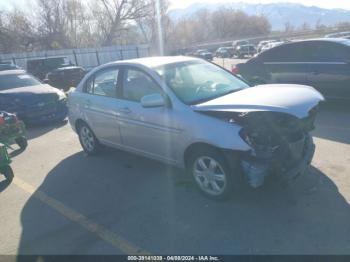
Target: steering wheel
{"type": "Point", "coordinates": [208, 86]}
{"type": "Point", "coordinates": [205, 87]}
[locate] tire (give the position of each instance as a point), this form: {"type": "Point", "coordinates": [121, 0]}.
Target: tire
{"type": "Point", "coordinates": [88, 140]}
{"type": "Point", "coordinates": [22, 142]}
{"type": "Point", "coordinates": [211, 173]}
{"type": "Point", "coordinates": [7, 172]}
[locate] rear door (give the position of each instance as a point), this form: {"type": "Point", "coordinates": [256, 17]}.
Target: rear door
{"type": "Point", "coordinates": [329, 69]}
{"type": "Point", "coordinates": [101, 105]}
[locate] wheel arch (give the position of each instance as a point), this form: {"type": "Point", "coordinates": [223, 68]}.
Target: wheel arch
{"type": "Point", "coordinates": [196, 147]}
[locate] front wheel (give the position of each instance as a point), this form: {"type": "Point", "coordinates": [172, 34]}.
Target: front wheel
{"type": "Point", "coordinates": [211, 174]}
{"type": "Point", "coordinates": [88, 140]}
{"type": "Point", "coordinates": [7, 172]}
{"type": "Point", "coordinates": [22, 142]}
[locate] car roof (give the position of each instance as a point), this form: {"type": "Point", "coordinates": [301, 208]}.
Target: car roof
{"type": "Point", "coordinates": [157, 61]}
{"type": "Point", "coordinates": [46, 58]}
{"type": "Point", "coordinates": [331, 40]}
{"type": "Point", "coordinates": [67, 68]}
{"type": "Point", "coordinates": [12, 72]}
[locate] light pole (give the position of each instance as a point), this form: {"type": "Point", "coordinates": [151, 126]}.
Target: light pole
{"type": "Point", "coordinates": [159, 26]}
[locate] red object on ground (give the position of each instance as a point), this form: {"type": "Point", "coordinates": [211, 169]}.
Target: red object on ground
{"type": "Point", "coordinates": [2, 121]}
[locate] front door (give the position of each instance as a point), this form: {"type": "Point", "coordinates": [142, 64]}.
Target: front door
{"type": "Point", "coordinates": [149, 131]}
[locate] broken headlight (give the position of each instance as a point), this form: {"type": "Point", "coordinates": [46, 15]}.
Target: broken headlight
{"type": "Point", "coordinates": [261, 143]}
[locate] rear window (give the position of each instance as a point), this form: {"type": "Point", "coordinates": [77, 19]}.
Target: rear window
{"type": "Point", "coordinates": [14, 81]}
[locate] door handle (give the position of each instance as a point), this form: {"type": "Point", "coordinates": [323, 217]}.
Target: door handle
{"type": "Point", "coordinates": [125, 110]}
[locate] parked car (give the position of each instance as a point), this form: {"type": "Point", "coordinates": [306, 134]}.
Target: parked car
{"type": "Point", "coordinates": [65, 77]}
{"type": "Point", "coordinates": [245, 50]}
{"type": "Point", "coordinates": [321, 63]}
{"type": "Point", "coordinates": [238, 43]}
{"type": "Point", "coordinates": [337, 35]}
{"type": "Point", "coordinates": [264, 43]}
{"type": "Point", "coordinates": [224, 52]}
{"type": "Point", "coordinates": [204, 54]}
{"type": "Point", "coordinates": [193, 114]}
{"type": "Point", "coordinates": [32, 101]}
{"type": "Point", "coordinates": [271, 45]}
{"type": "Point", "coordinates": [8, 66]}
{"type": "Point", "coordinates": [39, 67]}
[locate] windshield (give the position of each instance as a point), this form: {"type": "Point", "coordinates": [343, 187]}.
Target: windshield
{"type": "Point", "coordinates": [13, 81]}
{"type": "Point", "coordinates": [198, 81]}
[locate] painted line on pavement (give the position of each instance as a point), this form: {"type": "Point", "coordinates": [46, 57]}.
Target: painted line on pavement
{"type": "Point", "coordinates": [110, 237]}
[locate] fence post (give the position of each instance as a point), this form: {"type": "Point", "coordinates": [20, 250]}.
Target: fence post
{"type": "Point", "coordinates": [149, 51]}
{"type": "Point", "coordinates": [121, 54]}
{"type": "Point", "coordinates": [97, 58]}
{"type": "Point", "coordinates": [75, 58]}
{"type": "Point", "coordinates": [137, 52]}
{"type": "Point", "coordinates": [14, 60]}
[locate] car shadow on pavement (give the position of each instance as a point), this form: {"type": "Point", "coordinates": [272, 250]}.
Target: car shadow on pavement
{"type": "Point", "coordinates": [137, 199]}
{"type": "Point", "coordinates": [4, 183]}
{"type": "Point", "coordinates": [34, 131]}
{"type": "Point", "coordinates": [333, 122]}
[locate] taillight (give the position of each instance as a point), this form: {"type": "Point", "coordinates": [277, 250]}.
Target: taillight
{"type": "Point", "coordinates": [235, 70]}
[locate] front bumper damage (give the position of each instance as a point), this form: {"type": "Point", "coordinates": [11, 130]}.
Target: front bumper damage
{"type": "Point", "coordinates": [283, 165]}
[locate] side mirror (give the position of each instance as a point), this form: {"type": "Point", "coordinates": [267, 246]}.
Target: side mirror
{"type": "Point", "coordinates": [153, 100]}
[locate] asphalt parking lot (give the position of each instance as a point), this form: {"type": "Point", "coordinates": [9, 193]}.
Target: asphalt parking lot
{"type": "Point", "coordinates": [63, 202]}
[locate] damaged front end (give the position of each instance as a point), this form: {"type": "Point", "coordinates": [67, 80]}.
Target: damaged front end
{"type": "Point", "coordinates": [281, 143]}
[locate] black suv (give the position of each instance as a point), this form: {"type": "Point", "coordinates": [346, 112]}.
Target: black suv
{"type": "Point", "coordinates": [321, 63]}
{"type": "Point", "coordinates": [65, 77]}
{"type": "Point", "coordinates": [41, 66]}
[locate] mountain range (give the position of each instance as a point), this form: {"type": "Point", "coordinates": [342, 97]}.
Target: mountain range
{"type": "Point", "coordinates": [277, 13]}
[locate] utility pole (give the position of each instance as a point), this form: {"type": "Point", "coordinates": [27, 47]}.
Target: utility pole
{"type": "Point", "coordinates": [160, 32]}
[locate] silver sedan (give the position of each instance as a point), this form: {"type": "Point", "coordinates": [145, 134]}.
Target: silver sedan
{"type": "Point", "coordinates": [193, 114]}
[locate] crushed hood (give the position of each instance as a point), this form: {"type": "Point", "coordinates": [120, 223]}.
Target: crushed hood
{"type": "Point", "coordinates": [295, 100]}
{"type": "Point", "coordinates": [31, 90]}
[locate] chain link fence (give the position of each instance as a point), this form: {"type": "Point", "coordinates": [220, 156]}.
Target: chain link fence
{"type": "Point", "coordinates": [85, 57]}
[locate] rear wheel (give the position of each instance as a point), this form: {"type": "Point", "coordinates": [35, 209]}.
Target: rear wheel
{"type": "Point", "coordinates": [22, 142]}
{"type": "Point", "coordinates": [211, 174]}
{"type": "Point", "coordinates": [7, 172]}
{"type": "Point", "coordinates": [88, 140]}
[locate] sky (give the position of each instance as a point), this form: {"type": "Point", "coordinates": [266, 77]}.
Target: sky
{"type": "Point", "coordinates": [345, 4]}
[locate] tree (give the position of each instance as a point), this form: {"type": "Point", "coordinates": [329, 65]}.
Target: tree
{"type": "Point", "coordinates": [112, 16]}
{"type": "Point", "coordinates": [148, 23]}
{"type": "Point", "coordinates": [288, 27]}
{"type": "Point", "coordinates": [16, 32]}
{"type": "Point", "coordinates": [52, 23]}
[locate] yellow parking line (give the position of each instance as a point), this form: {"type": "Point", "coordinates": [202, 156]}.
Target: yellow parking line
{"type": "Point", "coordinates": [100, 231]}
